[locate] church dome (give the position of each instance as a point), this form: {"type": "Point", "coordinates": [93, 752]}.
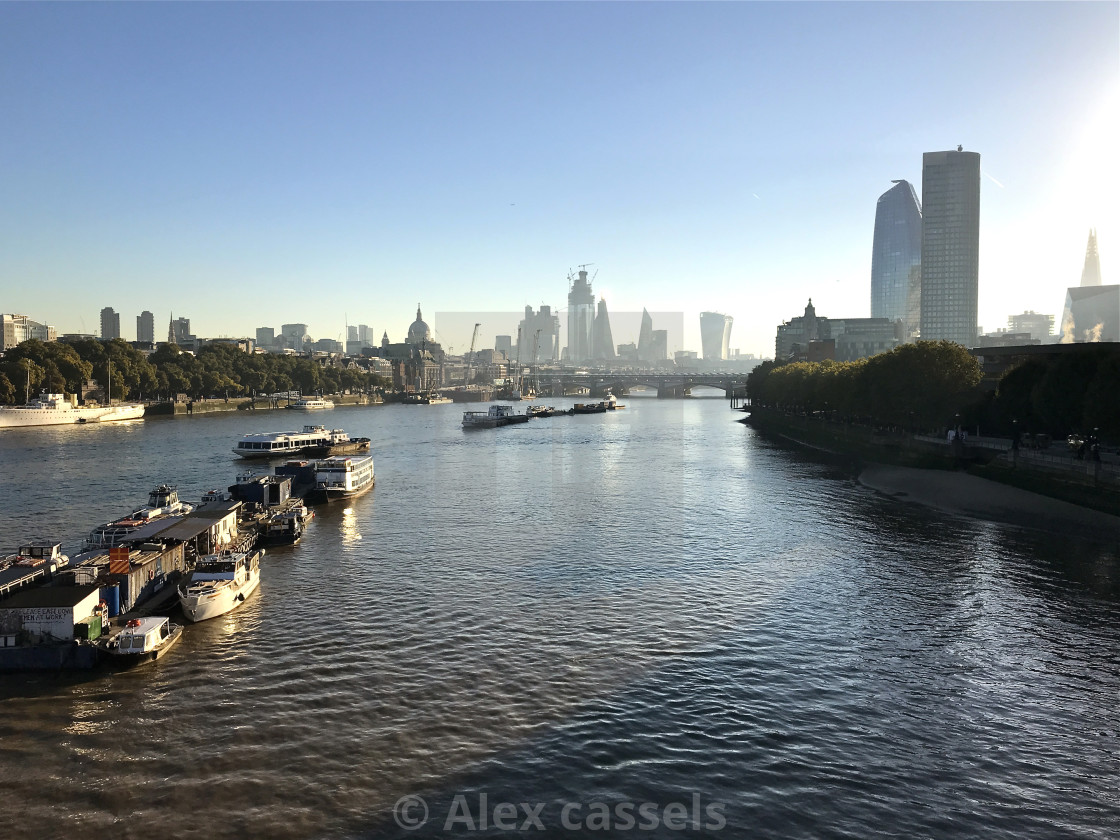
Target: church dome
{"type": "Point", "coordinates": [419, 333]}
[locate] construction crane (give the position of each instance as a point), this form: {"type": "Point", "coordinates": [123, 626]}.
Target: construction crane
{"type": "Point", "coordinates": [470, 355]}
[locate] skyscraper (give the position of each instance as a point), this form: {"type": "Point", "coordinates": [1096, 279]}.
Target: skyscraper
{"type": "Point", "coordinates": [146, 327]}
{"type": "Point", "coordinates": [950, 246]}
{"type": "Point", "coordinates": [602, 341]}
{"type": "Point", "coordinates": [645, 337]}
{"type": "Point", "coordinates": [581, 318]}
{"type": "Point", "coordinates": [266, 336]}
{"type": "Point", "coordinates": [896, 257]}
{"type": "Point", "coordinates": [540, 336]}
{"type": "Point", "coordinates": [1091, 273]}
{"type": "Point", "coordinates": [715, 335]}
{"type": "Point", "coordinates": [110, 324]}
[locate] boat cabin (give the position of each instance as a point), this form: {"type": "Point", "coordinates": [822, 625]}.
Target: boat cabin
{"type": "Point", "coordinates": [143, 635]}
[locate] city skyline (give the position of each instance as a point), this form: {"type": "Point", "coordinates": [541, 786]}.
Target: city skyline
{"type": "Point", "coordinates": [477, 172]}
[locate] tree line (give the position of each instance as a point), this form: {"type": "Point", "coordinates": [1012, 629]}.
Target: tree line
{"type": "Point", "coordinates": [217, 370]}
{"type": "Point", "coordinates": [931, 385]}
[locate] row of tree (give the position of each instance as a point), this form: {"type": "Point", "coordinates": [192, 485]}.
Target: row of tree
{"type": "Point", "coordinates": [217, 370]}
{"type": "Point", "coordinates": [921, 385]}
{"type": "Point", "coordinates": [930, 385]}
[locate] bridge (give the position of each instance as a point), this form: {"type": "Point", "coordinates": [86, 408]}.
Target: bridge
{"type": "Point", "coordinates": [668, 385]}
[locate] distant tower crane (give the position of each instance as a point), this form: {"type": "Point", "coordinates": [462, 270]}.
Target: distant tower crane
{"type": "Point", "coordinates": [470, 355]}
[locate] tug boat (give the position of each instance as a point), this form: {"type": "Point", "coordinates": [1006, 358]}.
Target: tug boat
{"type": "Point", "coordinates": [144, 640]}
{"type": "Point", "coordinates": [220, 583]}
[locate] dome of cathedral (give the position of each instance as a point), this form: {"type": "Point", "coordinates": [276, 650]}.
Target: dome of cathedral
{"type": "Point", "coordinates": [419, 332]}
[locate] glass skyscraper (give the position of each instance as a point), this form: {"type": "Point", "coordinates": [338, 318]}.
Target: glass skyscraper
{"type": "Point", "coordinates": [896, 257]}
{"type": "Point", "coordinates": [950, 246]}
{"type": "Point", "coordinates": [581, 318]}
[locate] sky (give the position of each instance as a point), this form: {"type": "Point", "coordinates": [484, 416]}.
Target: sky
{"type": "Point", "coordinates": [254, 164]}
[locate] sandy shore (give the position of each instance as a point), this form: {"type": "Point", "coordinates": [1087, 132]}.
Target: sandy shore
{"type": "Point", "coordinates": [979, 498]}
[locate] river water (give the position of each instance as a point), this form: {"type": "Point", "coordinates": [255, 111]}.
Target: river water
{"type": "Point", "coordinates": [650, 623]}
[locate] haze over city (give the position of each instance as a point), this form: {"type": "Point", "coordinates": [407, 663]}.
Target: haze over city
{"type": "Point", "coordinates": [247, 165]}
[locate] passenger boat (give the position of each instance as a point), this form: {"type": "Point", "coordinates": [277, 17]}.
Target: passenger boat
{"type": "Point", "coordinates": [310, 404]}
{"type": "Point", "coordinates": [314, 441]}
{"type": "Point", "coordinates": [425, 398]}
{"type": "Point", "coordinates": [609, 404]}
{"type": "Point", "coordinates": [497, 415]}
{"type": "Point", "coordinates": [144, 640]}
{"type": "Point", "coordinates": [343, 477]}
{"type": "Point", "coordinates": [163, 502]}
{"type": "Point", "coordinates": [58, 410]}
{"type": "Point", "coordinates": [220, 583]}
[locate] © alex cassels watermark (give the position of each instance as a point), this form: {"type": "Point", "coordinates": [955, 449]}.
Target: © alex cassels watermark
{"type": "Point", "coordinates": [477, 813]}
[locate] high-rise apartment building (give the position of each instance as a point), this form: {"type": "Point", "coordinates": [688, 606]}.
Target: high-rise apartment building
{"type": "Point", "coordinates": [179, 332]}
{"type": "Point", "coordinates": [896, 257]}
{"type": "Point", "coordinates": [146, 327]}
{"type": "Point", "coordinates": [365, 335]}
{"type": "Point", "coordinates": [950, 246]}
{"type": "Point", "coordinates": [581, 318]}
{"type": "Point", "coordinates": [715, 336]}
{"type": "Point", "coordinates": [110, 324]}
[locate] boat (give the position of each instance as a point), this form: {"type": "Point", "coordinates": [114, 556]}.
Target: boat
{"type": "Point", "coordinates": [220, 583]}
{"type": "Point", "coordinates": [497, 415]}
{"type": "Point", "coordinates": [425, 398]}
{"type": "Point", "coordinates": [286, 527]}
{"type": "Point", "coordinates": [163, 503]}
{"type": "Point", "coordinates": [36, 553]}
{"type": "Point", "coordinates": [59, 410]}
{"type": "Point", "coordinates": [144, 640]}
{"type": "Point", "coordinates": [313, 441]}
{"type": "Point", "coordinates": [310, 404]}
{"type": "Point", "coordinates": [546, 411]}
{"type": "Point", "coordinates": [609, 404]}
{"type": "Point", "coordinates": [342, 477]}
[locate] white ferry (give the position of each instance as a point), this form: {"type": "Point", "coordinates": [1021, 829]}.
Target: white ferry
{"type": "Point", "coordinates": [310, 404]}
{"type": "Point", "coordinates": [313, 440]}
{"type": "Point", "coordinates": [163, 502]}
{"type": "Point", "coordinates": [60, 410]}
{"type": "Point", "coordinates": [343, 477]}
{"type": "Point", "coordinates": [144, 640]}
{"type": "Point", "coordinates": [220, 583]}
{"type": "Point", "coordinates": [497, 415]}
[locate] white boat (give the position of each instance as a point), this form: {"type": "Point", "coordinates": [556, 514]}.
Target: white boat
{"type": "Point", "coordinates": [163, 502]}
{"type": "Point", "coordinates": [313, 440]}
{"type": "Point", "coordinates": [58, 410]}
{"type": "Point", "coordinates": [37, 553]}
{"type": "Point", "coordinates": [220, 583]}
{"type": "Point", "coordinates": [343, 476]}
{"type": "Point", "coordinates": [310, 404]}
{"type": "Point", "coordinates": [144, 640]}
{"type": "Point", "coordinates": [496, 415]}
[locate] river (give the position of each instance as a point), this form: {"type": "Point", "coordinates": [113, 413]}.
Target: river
{"type": "Point", "coordinates": [649, 623]}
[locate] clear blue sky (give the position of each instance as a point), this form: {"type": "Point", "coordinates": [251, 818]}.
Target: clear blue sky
{"type": "Point", "coordinates": [249, 165]}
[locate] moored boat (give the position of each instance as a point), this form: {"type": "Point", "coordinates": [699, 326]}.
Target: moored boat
{"type": "Point", "coordinates": [163, 503]}
{"type": "Point", "coordinates": [496, 415]}
{"type": "Point", "coordinates": [144, 640]}
{"type": "Point", "coordinates": [286, 527]}
{"type": "Point", "coordinates": [313, 441]}
{"type": "Point", "coordinates": [220, 583]}
{"type": "Point", "coordinates": [59, 410]}
{"type": "Point", "coordinates": [343, 477]}
{"type": "Point", "coordinates": [310, 404]}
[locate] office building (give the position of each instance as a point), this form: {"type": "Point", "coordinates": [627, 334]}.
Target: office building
{"type": "Point", "coordinates": [295, 336]}
{"type": "Point", "coordinates": [581, 318]}
{"type": "Point", "coordinates": [602, 341]}
{"type": "Point", "coordinates": [540, 336]}
{"type": "Point", "coordinates": [950, 256]}
{"type": "Point", "coordinates": [110, 324]}
{"type": "Point", "coordinates": [1037, 326]}
{"type": "Point", "coordinates": [17, 329]}
{"type": "Point", "coordinates": [896, 257]}
{"type": "Point", "coordinates": [814, 337]}
{"type": "Point", "coordinates": [1091, 313]}
{"type": "Point", "coordinates": [179, 332]}
{"type": "Point", "coordinates": [266, 337]}
{"type": "Point", "coordinates": [715, 336]}
{"type": "Point", "coordinates": [1091, 273]}
{"type": "Point", "coordinates": [645, 337]}
{"type": "Point", "coordinates": [503, 344]}
{"type": "Point", "coordinates": [365, 335]}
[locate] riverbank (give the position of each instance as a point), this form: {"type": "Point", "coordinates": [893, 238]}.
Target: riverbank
{"type": "Point", "coordinates": [190, 408]}
{"type": "Point", "coordinates": [865, 446]}
{"type": "Point", "coordinates": [970, 495]}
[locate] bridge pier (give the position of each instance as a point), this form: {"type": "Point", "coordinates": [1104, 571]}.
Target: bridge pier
{"type": "Point", "coordinates": [673, 392]}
